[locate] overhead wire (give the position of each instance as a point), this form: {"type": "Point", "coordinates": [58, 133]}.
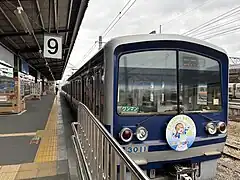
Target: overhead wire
{"type": "Point", "coordinates": [216, 19]}
{"type": "Point", "coordinates": [120, 17]}
{"type": "Point", "coordinates": [117, 16]}
{"type": "Point", "coordinates": [220, 25]}
{"type": "Point", "coordinates": [235, 29]}
{"type": "Point", "coordinates": [190, 10]}
{"type": "Point", "coordinates": [111, 25]}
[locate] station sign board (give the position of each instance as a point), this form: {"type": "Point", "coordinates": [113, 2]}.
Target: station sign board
{"type": "Point", "coordinates": [6, 69]}
{"type": "Point", "coordinates": [52, 46]}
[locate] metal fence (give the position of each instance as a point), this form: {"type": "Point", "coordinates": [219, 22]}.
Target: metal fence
{"type": "Point", "coordinates": [99, 155]}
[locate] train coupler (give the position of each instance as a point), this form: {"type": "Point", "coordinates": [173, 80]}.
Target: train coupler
{"type": "Point", "coordinates": [185, 173]}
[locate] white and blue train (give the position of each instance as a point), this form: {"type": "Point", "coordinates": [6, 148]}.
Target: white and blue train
{"type": "Point", "coordinates": [163, 97]}
{"type": "Point", "coordinates": [234, 90]}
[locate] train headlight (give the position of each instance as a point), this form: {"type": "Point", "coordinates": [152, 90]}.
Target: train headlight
{"type": "Point", "coordinates": [142, 133]}
{"type": "Point", "coordinates": [126, 134]}
{"type": "Point", "coordinates": [211, 128]}
{"type": "Point", "coordinates": [221, 127]}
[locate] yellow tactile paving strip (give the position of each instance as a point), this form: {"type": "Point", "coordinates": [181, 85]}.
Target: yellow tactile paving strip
{"type": "Point", "coordinates": [45, 160]}
{"type": "Point", "coordinates": [47, 150]}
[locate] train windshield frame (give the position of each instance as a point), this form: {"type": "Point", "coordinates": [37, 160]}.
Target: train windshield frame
{"type": "Point", "coordinates": [168, 82]}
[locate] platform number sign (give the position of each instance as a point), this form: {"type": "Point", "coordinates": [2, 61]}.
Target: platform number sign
{"type": "Point", "coordinates": [52, 47]}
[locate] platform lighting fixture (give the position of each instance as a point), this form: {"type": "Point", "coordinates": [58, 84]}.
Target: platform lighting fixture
{"type": "Point", "coordinates": [23, 19]}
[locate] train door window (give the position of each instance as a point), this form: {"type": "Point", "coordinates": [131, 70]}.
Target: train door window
{"type": "Point", "coordinates": [74, 88]}
{"type": "Point", "coordinates": [94, 94]}
{"type": "Point", "coordinates": [98, 78]}
{"type": "Point", "coordinates": [198, 92]}
{"type": "Point", "coordinates": [90, 105]}
{"type": "Point", "coordinates": [238, 89]}
{"type": "Point", "coordinates": [101, 94]}
{"type": "Point", "coordinates": [71, 89]}
{"type": "Point", "coordinates": [78, 93]}
{"type": "Point", "coordinates": [80, 90]}
{"type": "Point", "coordinates": [77, 89]}
{"type": "Point", "coordinates": [86, 91]}
{"type": "Point", "coordinates": [83, 91]}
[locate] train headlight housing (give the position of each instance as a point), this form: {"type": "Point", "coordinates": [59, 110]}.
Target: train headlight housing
{"type": "Point", "coordinates": [221, 127]}
{"type": "Point", "coordinates": [142, 133]}
{"type": "Point", "coordinates": [211, 128]}
{"type": "Point", "coordinates": [126, 134]}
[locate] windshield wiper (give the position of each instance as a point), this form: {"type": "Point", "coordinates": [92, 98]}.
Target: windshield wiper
{"type": "Point", "coordinates": [181, 112]}
{"type": "Point", "coordinates": [147, 118]}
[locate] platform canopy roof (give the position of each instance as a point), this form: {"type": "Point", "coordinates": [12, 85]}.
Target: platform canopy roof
{"type": "Point", "coordinates": [26, 37]}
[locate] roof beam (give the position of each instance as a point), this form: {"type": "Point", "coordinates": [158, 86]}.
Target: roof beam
{"type": "Point", "coordinates": [56, 14]}
{"type": "Point", "coordinates": [10, 22]}
{"type": "Point", "coordinates": [10, 41]}
{"type": "Point", "coordinates": [80, 16]}
{"type": "Point", "coordinates": [55, 66]}
{"type": "Point", "coordinates": [68, 20]}
{"type": "Point", "coordinates": [49, 63]}
{"type": "Point", "coordinates": [40, 14]}
{"type": "Point", "coordinates": [35, 49]}
{"type": "Point", "coordinates": [49, 16]}
{"type": "Point", "coordinates": [22, 33]}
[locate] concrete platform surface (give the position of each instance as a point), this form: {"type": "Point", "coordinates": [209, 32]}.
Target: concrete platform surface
{"type": "Point", "coordinates": [33, 119]}
{"type": "Point", "coordinates": [33, 144]}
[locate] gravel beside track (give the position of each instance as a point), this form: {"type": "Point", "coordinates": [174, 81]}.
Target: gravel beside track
{"type": "Point", "coordinates": [229, 167]}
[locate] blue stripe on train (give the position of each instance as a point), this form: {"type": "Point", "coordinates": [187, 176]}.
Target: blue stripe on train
{"type": "Point", "coordinates": [195, 144]}
{"type": "Point", "coordinates": [108, 127]}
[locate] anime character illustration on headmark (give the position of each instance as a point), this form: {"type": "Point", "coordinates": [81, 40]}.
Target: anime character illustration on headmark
{"type": "Point", "coordinates": [181, 132]}
{"type": "Point", "coordinates": [181, 135]}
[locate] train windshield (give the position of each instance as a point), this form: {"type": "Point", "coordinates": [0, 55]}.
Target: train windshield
{"type": "Point", "coordinates": [150, 82]}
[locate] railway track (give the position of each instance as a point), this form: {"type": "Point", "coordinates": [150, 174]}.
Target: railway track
{"type": "Point", "coordinates": [227, 154]}
{"type": "Point", "coordinates": [232, 146]}
{"type": "Point", "coordinates": [234, 100]}
{"type": "Point", "coordinates": [234, 118]}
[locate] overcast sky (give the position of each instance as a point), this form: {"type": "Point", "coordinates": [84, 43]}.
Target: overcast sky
{"type": "Point", "coordinates": [147, 15]}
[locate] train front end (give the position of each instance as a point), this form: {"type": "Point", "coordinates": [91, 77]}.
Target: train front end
{"type": "Point", "coordinates": [170, 100]}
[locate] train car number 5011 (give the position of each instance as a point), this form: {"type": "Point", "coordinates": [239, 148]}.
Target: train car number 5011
{"type": "Point", "coordinates": [136, 148]}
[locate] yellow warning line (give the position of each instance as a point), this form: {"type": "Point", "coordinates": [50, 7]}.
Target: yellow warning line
{"type": "Point", "coordinates": [47, 150]}
{"type": "Point", "coordinates": [18, 134]}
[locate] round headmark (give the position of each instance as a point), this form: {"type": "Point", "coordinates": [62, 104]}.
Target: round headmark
{"type": "Point", "coordinates": [180, 132]}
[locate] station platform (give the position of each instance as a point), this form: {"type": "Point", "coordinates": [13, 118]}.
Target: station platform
{"type": "Point", "coordinates": [36, 144]}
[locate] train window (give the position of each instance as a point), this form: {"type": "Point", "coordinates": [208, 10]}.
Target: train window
{"type": "Point", "coordinates": [147, 82]}
{"type": "Point", "coordinates": [199, 78]}
{"type": "Point", "coordinates": [229, 89]}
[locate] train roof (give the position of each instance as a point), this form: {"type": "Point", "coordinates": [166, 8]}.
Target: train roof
{"type": "Point", "coordinates": [156, 37]}
{"type": "Point", "coordinates": [114, 42]}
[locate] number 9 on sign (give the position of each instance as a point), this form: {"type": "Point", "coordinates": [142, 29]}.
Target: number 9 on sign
{"type": "Point", "coordinates": [52, 47]}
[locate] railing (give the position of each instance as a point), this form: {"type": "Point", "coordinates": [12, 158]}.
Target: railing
{"type": "Point", "coordinates": [98, 154]}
